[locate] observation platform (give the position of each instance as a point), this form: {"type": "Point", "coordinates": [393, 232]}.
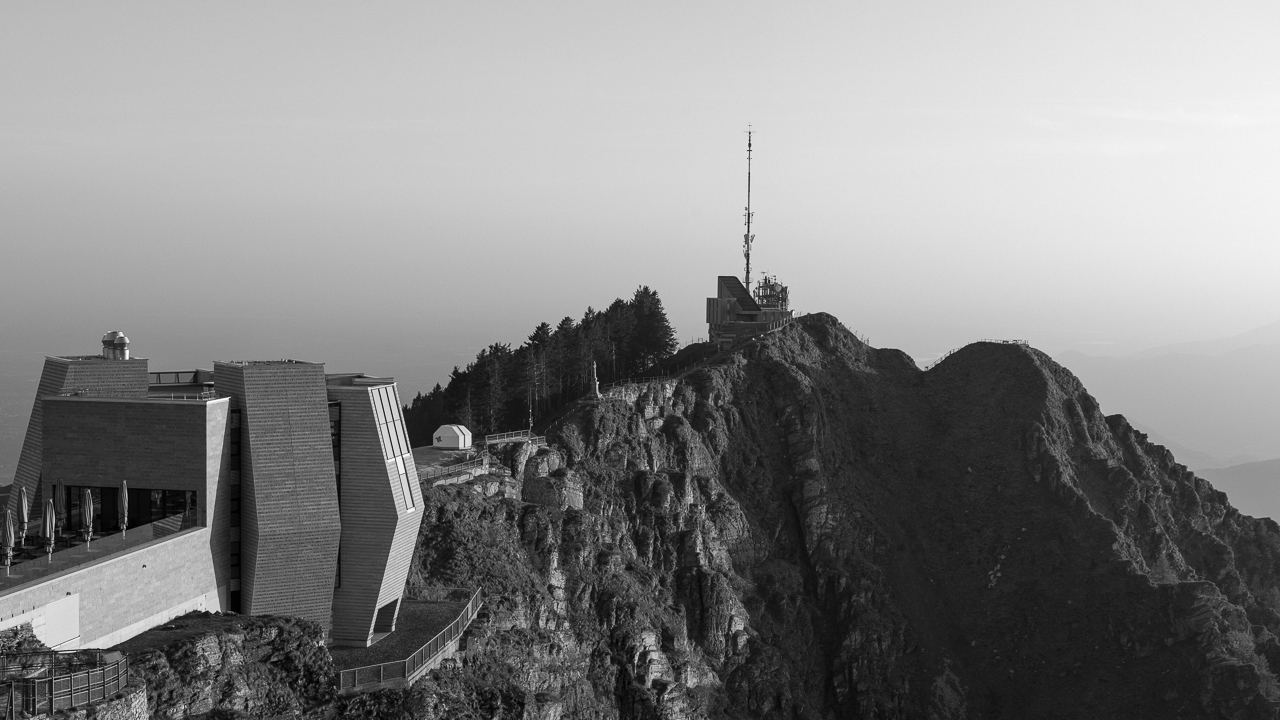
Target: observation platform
{"type": "Point", "coordinates": [426, 632]}
{"type": "Point", "coordinates": [32, 564]}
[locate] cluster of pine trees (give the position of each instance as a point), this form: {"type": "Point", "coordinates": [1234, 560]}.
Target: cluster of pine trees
{"type": "Point", "coordinates": [502, 387]}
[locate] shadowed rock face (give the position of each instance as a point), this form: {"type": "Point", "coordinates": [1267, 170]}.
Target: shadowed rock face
{"type": "Point", "coordinates": [813, 528]}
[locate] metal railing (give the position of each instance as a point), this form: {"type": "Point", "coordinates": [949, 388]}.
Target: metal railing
{"type": "Point", "coordinates": [419, 662]}
{"type": "Point", "coordinates": [506, 437]}
{"type": "Point", "coordinates": [46, 689]}
{"type": "Point", "coordinates": [940, 358]}
{"type": "Point", "coordinates": [949, 353]}
{"type": "Point", "coordinates": [635, 381]}
{"type": "Point", "coordinates": [206, 395]}
{"type": "Point", "coordinates": [430, 473]}
{"type": "Point", "coordinates": [515, 436]}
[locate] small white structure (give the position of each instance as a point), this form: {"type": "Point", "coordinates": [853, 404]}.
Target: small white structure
{"type": "Point", "coordinates": [452, 437]}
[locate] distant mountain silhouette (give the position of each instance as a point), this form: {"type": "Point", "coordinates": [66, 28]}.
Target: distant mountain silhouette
{"type": "Point", "coordinates": [1253, 487]}
{"type": "Point", "coordinates": [1265, 335]}
{"type": "Point", "coordinates": [1214, 403]}
{"type": "Point", "coordinates": [1194, 459]}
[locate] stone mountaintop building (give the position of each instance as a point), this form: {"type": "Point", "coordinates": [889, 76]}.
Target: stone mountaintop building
{"type": "Point", "coordinates": [256, 487]}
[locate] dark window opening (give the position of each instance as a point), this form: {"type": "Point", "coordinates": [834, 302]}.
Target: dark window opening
{"type": "Point", "coordinates": [145, 506]}
{"type": "Point", "coordinates": [335, 439]}
{"type": "Point", "coordinates": [386, 619]}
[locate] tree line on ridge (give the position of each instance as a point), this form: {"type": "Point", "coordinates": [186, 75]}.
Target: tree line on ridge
{"type": "Point", "coordinates": [507, 388]}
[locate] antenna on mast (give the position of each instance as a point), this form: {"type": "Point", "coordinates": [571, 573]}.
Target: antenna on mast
{"type": "Point", "coordinates": [748, 238]}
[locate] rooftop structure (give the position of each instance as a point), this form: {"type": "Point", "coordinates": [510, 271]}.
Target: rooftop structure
{"type": "Point", "coordinates": [255, 487]}
{"type": "Point", "coordinates": [736, 311]}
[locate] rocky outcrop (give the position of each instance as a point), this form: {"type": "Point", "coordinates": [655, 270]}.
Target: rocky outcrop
{"type": "Point", "coordinates": [232, 666]}
{"type": "Point", "coordinates": [20, 639]}
{"type": "Point", "coordinates": [809, 527]}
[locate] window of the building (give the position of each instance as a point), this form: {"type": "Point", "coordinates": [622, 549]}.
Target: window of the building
{"type": "Point", "coordinates": [405, 485]}
{"type": "Point", "coordinates": [145, 506]}
{"type": "Point", "coordinates": [395, 442]}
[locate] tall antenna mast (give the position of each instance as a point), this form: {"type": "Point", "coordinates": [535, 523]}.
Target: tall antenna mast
{"type": "Point", "coordinates": [748, 238]}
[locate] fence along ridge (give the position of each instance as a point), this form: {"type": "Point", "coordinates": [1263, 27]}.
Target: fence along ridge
{"type": "Point", "coordinates": [953, 351]}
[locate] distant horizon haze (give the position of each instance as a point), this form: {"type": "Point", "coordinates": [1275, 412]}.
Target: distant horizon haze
{"type": "Point", "coordinates": [389, 188]}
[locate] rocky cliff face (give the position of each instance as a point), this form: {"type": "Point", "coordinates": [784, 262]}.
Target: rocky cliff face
{"type": "Point", "coordinates": [210, 665]}
{"type": "Point", "coordinates": [812, 528]}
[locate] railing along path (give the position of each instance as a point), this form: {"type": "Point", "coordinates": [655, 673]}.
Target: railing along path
{"type": "Point", "coordinates": [419, 662]}
{"type": "Point", "coordinates": [45, 690]}
{"type": "Point", "coordinates": [432, 473]}
{"type": "Point", "coordinates": [949, 353]}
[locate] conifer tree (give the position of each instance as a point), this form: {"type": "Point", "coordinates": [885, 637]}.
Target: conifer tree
{"type": "Point", "coordinates": [493, 392]}
{"type": "Point", "coordinates": [654, 338]}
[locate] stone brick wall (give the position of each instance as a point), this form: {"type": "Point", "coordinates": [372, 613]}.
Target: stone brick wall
{"type": "Point", "coordinates": [128, 592]}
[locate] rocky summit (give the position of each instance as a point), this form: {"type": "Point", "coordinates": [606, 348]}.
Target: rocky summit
{"type": "Point", "coordinates": [805, 527]}
{"type": "Point", "coordinates": [809, 527]}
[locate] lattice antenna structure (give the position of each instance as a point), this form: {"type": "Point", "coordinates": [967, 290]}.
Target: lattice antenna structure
{"type": "Point", "coordinates": [748, 238]}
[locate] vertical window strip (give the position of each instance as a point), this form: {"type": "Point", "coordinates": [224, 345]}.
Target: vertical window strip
{"type": "Point", "coordinates": [405, 486]}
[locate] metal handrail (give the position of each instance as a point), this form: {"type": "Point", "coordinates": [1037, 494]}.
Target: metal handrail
{"type": "Point", "coordinates": [635, 381]}
{"type": "Point", "coordinates": [502, 437]}
{"type": "Point", "coordinates": [940, 358]}
{"type": "Point", "coordinates": [206, 395]}
{"type": "Point", "coordinates": [423, 656]}
{"type": "Point", "coordinates": [37, 695]}
{"type": "Point", "coordinates": [949, 353]}
{"type": "Point", "coordinates": [522, 435]}
{"type": "Point", "coordinates": [435, 472]}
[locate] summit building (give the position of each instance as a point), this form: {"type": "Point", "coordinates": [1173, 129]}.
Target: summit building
{"type": "Point", "coordinates": [261, 487]}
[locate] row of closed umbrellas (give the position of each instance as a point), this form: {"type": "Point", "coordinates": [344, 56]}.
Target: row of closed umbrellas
{"type": "Point", "coordinates": [55, 511]}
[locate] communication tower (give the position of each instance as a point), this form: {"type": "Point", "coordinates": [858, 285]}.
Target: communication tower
{"type": "Point", "coordinates": [748, 238]}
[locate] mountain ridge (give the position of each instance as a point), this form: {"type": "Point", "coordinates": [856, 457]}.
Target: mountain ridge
{"type": "Point", "coordinates": [810, 527]}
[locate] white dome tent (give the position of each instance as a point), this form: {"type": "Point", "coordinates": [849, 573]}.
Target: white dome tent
{"type": "Point", "coordinates": [451, 437]}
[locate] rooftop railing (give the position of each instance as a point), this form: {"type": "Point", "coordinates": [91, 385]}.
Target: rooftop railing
{"type": "Point", "coordinates": [417, 664]}
{"type": "Point", "coordinates": [206, 395]}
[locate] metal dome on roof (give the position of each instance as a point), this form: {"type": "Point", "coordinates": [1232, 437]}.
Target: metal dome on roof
{"type": "Point", "coordinates": [115, 346]}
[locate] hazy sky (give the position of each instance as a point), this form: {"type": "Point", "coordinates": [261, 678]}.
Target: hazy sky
{"type": "Point", "coordinates": [386, 186]}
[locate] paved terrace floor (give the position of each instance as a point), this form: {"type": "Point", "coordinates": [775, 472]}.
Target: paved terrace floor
{"type": "Point", "coordinates": [419, 622]}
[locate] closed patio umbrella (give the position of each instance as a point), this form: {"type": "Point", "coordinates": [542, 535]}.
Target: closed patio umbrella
{"type": "Point", "coordinates": [24, 515]}
{"type": "Point", "coordinates": [49, 527]}
{"type": "Point", "coordinates": [124, 508]}
{"type": "Point", "coordinates": [86, 515]}
{"type": "Point", "coordinates": [60, 505]}
{"type": "Point", "coordinates": [6, 540]}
